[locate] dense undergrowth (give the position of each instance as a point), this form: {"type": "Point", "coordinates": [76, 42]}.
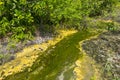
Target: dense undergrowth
{"type": "Point", "coordinates": [19, 19]}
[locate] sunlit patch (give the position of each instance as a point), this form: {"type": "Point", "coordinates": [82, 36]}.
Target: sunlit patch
{"type": "Point", "coordinates": [1, 3]}
{"type": "Point", "coordinates": [29, 54]}
{"type": "Point", "coordinates": [86, 68]}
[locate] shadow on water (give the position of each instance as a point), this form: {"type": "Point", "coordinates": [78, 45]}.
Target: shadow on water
{"type": "Point", "coordinates": [53, 62]}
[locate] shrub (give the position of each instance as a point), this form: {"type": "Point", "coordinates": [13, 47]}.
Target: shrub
{"type": "Point", "coordinates": [17, 17]}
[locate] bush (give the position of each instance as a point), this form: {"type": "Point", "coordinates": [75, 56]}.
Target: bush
{"type": "Point", "coordinates": [17, 17]}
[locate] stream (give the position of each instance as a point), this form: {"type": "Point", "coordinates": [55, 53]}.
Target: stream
{"type": "Point", "coordinates": [64, 61]}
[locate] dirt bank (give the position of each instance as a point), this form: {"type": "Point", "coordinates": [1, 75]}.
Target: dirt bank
{"type": "Point", "coordinates": [106, 51]}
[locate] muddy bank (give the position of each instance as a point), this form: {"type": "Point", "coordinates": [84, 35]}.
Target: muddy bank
{"type": "Point", "coordinates": [106, 51]}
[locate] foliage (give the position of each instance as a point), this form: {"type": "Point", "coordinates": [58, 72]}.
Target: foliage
{"type": "Point", "coordinates": [1, 55]}
{"type": "Point", "coordinates": [102, 6]}
{"type": "Point", "coordinates": [17, 17]}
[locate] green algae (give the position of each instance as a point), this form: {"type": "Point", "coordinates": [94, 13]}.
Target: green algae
{"type": "Point", "coordinates": [53, 61]}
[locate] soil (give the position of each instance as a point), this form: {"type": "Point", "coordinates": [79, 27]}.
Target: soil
{"type": "Point", "coordinates": [106, 51]}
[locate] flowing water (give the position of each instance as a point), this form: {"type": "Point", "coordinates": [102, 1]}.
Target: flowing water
{"type": "Point", "coordinates": [64, 61]}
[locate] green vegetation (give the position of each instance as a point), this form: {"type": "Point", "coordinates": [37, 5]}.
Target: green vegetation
{"type": "Point", "coordinates": [20, 18]}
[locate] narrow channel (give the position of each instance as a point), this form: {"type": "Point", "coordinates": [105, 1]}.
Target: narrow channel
{"type": "Point", "coordinates": [58, 62]}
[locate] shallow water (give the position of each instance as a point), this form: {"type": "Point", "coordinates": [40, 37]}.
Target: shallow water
{"type": "Point", "coordinates": [57, 63]}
